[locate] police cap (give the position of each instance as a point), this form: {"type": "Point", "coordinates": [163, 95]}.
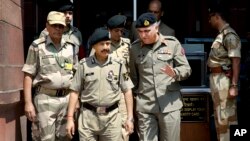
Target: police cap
{"type": "Point", "coordinates": [55, 17]}
{"type": "Point", "coordinates": [145, 20]}
{"type": "Point", "coordinates": [116, 21]}
{"type": "Point", "coordinates": [100, 34]}
{"type": "Point", "coordinates": [66, 7]}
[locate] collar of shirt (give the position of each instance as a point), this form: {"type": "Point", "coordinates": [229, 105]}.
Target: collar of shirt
{"type": "Point", "coordinates": [224, 27]}
{"type": "Point", "coordinates": [49, 42]}
{"type": "Point", "coordinates": [95, 61]}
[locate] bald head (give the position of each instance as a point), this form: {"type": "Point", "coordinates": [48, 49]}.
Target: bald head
{"type": "Point", "coordinates": [155, 7]}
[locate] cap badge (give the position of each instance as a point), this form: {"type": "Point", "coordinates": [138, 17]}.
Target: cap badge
{"type": "Point", "coordinates": [146, 23]}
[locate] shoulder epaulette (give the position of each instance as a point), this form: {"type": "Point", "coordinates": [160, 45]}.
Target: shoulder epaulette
{"type": "Point", "coordinates": [83, 60]}
{"type": "Point", "coordinates": [38, 41]}
{"type": "Point", "coordinates": [70, 42]}
{"type": "Point", "coordinates": [169, 38]}
{"type": "Point", "coordinates": [126, 40]}
{"type": "Point", "coordinates": [136, 41]}
{"type": "Point", "coordinates": [118, 60]}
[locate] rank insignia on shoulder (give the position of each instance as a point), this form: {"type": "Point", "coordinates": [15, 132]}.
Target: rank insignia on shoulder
{"type": "Point", "coordinates": [125, 76]}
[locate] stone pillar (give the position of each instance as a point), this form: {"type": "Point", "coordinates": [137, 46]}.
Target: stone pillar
{"type": "Point", "coordinates": [12, 119]}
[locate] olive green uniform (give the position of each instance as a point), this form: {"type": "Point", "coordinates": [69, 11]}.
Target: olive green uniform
{"type": "Point", "coordinates": [100, 86]}
{"type": "Point", "coordinates": [227, 44]}
{"type": "Point", "coordinates": [52, 70]}
{"type": "Point", "coordinates": [158, 100]}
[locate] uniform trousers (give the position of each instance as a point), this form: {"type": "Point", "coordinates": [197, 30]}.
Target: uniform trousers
{"type": "Point", "coordinates": [100, 127]}
{"type": "Point", "coordinates": [159, 126]}
{"type": "Point", "coordinates": [123, 111]}
{"type": "Point", "coordinates": [224, 109]}
{"type": "Point", "coordinates": [51, 118]}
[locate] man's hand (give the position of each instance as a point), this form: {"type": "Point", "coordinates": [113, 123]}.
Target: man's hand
{"type": "Point", "coordinates": [129, 126]}
{"type": "Point", "coordinates": [233, 92]}
{"type": "Point", "coordinates": [30, 111]}
{"type": "Point", "coordinates": [70, 127]}
{"type": "Point", "coordinates": [168, 70]}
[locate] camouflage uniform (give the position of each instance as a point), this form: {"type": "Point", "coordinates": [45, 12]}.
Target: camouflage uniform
{"type": "Point", "coordinates": [53, 71]}
{"type": "Point", "coordinates": [158, 95]}
{"type": "Point", "coordinates": [121, 50]}
{"type": "Point", "coordinates": [227, 44]}
{"type": "Point", "coordinates": [100, 85]}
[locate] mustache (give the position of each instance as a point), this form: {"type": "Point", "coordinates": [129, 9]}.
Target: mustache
{"type": "Point", "coordinates": [105, 50]}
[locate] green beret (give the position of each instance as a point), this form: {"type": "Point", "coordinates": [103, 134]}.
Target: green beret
{"type": "Point", "coordinates": [66, 7]}
{"type": "Point", "coordinates": [116, 21]}
{"type": "Point", "coordinates": [100, 34]}
{"type": "Point", "coordinates": [145, 20]}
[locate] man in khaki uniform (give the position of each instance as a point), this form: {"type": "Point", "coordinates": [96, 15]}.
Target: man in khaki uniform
{"type": "Point", "coordinates": [157, 64]}
{"type": "Point", "coordinates": [71, 33]}
{"type": "Point", "coordinates": [224, 64]}
{"type": "Point", "coordinates": [100, 80]}
{"type": "Point", "coordinates": [120, 49]}
{"type": "Point", "coordinates": [49, 68]}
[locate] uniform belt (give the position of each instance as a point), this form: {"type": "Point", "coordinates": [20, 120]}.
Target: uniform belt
{"type": "Point", "coordinates": [216, 69]}
{"type": "Point", "coordinates": [100, 109]}
{"type": "Point", "coordinates": [53, 92]}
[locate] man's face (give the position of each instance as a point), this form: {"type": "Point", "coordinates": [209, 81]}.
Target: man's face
{"type": "Point", "coordinates": [213, 19]}
{"type": "Point", "coordinates": [116, 34]}
{"type": "Point", "coordinates": [69, 16]}
{"type": "Point", "coordinates": [156, 10]}
{"type": "Point", "coordinates": [55, 31]}
{"type": "Point", "coordinates": [102, 49]}
{"type": "Point", "coordinates": [148, 34]}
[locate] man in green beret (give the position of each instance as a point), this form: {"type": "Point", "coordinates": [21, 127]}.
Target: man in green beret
{"type": "Point", "coordinates": [157, 64]}
{"type": "Point", "coordinates": [100, 81]}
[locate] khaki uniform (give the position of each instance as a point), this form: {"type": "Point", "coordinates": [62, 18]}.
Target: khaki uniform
{"type": "Point", "coordinates": [52, 70]}
{"type": "Point", "coordinates": [158, 95]}
{"type": "Point", "coordinates": [100, 85]}
{"type": "Point", "coordinates": [227, 44]}
{"type": "Point", "coordinates": [73, 35]}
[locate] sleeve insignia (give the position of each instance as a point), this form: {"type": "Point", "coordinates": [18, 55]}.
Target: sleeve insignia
{"type": "Point", "coordinates": [125, 76]}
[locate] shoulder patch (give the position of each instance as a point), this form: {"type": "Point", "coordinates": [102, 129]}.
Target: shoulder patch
{"type": "Point", "coordinates": [38, 41]}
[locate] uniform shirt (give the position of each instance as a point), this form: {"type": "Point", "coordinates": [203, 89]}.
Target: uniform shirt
{"type": "Point", "coordinates": [227, 44]}
{"type": "Point", "coordinates": [101, 84]}
{"type": "Point", "coordinates": [121, 50]}
{"type": "Point", "coordinates": [72, 35]}
{"type": "Point", "coordinates": [52, 68]}
{"type": "Point", "coordinates": [156, 91]}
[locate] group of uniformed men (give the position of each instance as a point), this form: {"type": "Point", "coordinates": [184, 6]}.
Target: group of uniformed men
{"type": "Point", "coordinates": [102, 84]}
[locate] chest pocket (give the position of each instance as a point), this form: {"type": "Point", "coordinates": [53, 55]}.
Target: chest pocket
{"type": "Point", "coordinates": [90, 81]}
{"type": "Point", "coordinates": [144, 61]}
{"type": "Point", "coordinates": [219, 50]}
{"type": "Point", "coordinates": [164, 59]}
